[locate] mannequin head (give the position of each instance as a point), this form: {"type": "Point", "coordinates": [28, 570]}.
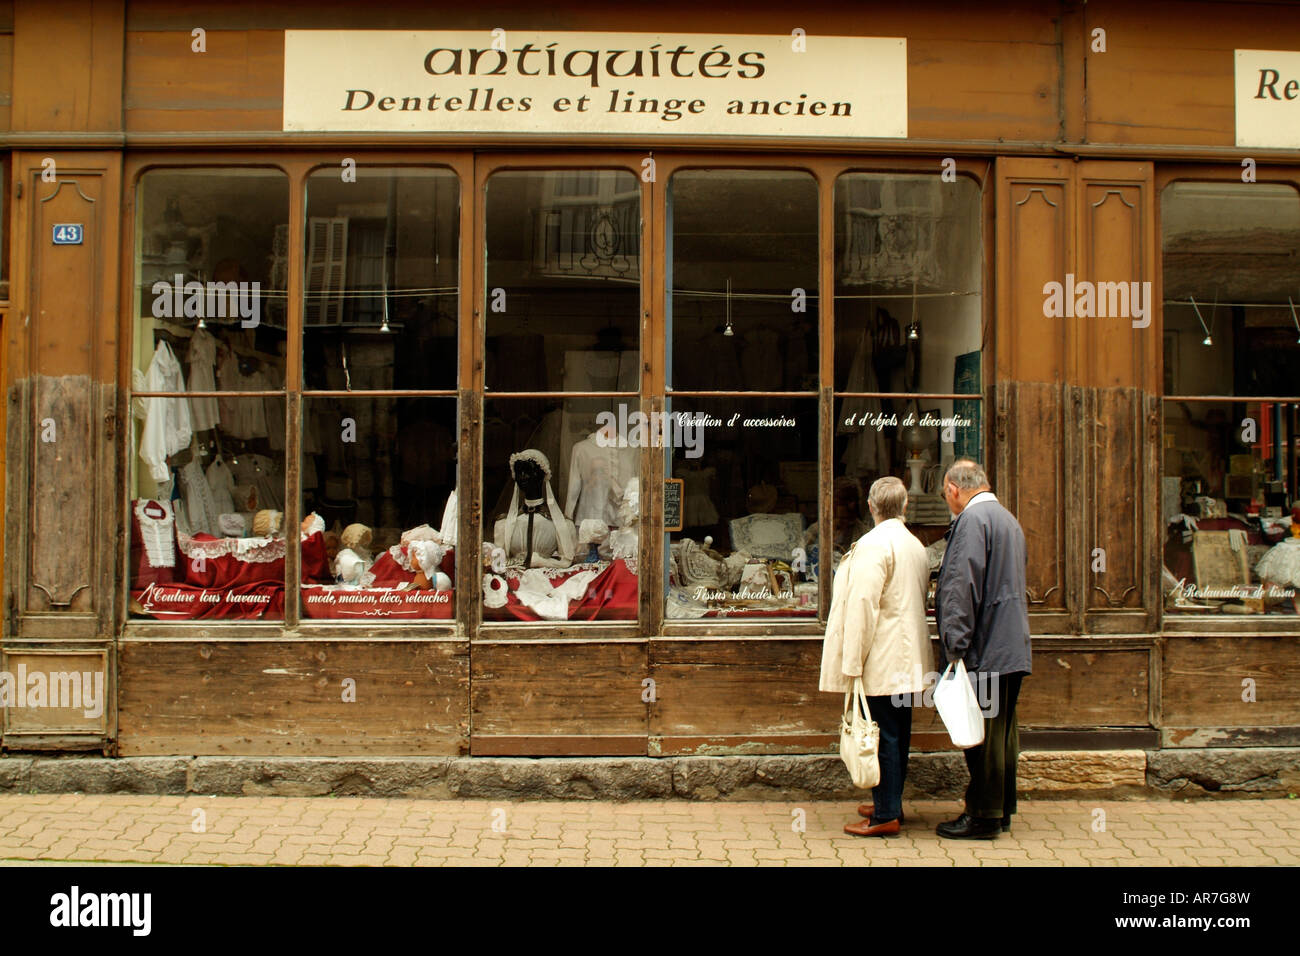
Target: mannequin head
{"type": "Point", "coordinates": [530, 477]}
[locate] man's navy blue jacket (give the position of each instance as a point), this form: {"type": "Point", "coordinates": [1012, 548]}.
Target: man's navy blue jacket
{"type": "Point", "coordinates": [980, 604]}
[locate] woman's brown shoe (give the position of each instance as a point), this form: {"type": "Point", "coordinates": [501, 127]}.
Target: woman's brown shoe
{"type": "Point", "coordinates": [866, 828]}
{"type": "Point", "coordinates": [868, 810]}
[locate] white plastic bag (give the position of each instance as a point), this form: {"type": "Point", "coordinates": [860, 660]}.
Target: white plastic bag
{"type": "Point", "coordinates": [958, 707]}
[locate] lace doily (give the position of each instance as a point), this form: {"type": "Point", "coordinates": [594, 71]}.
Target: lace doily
{"type": "Point", "coordinates": [252, 550]}
{"type": "Point", "coordinates": [159, 534]}
{"type": "Point", "coordinates": [553, 573]}
{"type": "Point", "coordinates": [398, 553]}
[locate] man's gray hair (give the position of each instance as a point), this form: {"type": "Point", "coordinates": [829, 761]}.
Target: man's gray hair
{"type": "Point", "coordinates": [967, 474]}
{"type": "Point", "coordinates": [889, 497]}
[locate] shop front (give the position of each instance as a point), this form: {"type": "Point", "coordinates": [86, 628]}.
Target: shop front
{"type": "Point", "coordinates": [478, 389]}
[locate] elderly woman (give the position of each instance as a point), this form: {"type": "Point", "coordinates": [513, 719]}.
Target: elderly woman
{"type": "Point", "coordinates": [877, 631]}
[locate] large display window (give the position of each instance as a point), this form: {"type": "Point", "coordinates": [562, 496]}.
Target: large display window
{"type": "Point", "coordinates": [1229, 492]}
{"type": "Point", "coordinates": [207, 431]}
{"type": "Point", "coordinates": [562, 508]}
{"type": "Point", "coordinates": [742, 393]}
{"type": "Point", "coordinates": [378, 415]}
{"type": "Point", "coordinates": [350, 398]}
{"type": "Point", "coordinates": [908, 349]}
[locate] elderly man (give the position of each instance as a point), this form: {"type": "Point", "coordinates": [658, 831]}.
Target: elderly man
{"type": "Point", "coordinates": [876, 630]}
{"type": "Point", "coordinates": [980, 611]}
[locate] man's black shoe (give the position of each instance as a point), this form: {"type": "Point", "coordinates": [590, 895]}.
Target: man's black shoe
{"type": "Point", "coordinates": [1006, 824]}
{"type": "Point", "coordinates": [966, 827]}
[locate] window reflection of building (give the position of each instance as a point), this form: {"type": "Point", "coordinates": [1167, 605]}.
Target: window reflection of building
{"type": "Point", "coordinates": [1229, 479]}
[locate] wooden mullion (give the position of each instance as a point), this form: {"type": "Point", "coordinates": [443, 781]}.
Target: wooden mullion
{"type": "Point", "coordinates": [826, 179]}
{"type": "Point", "coordinates": [472, 344]}
{"type": "Point", "coordinates": [651, 559]}
{"type": "Point", "coordinates": [293, 405]}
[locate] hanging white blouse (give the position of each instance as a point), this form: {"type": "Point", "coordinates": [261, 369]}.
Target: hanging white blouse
{"type": "Point", "coordinates": [241, 417]}
{"type": "Point", "coordinates": [222, 484]}
{"type": "Point", "coordinates": [198, 503]}
{"type": "Point", "coordinates": [167, 427]}
{"type": "Point", "coordinates": [203, 357]}
{"type": "Point", "coordinates": [597, 474]}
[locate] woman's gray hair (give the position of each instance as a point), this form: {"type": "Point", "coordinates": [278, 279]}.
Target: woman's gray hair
{"type": "Point", "coordinates": [967, 475]}
{"type": "Point", "coordinates": [888, 496]}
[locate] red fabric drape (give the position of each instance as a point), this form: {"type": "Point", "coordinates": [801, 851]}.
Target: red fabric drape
{"type": "Point", "coordinates": [611, 596]}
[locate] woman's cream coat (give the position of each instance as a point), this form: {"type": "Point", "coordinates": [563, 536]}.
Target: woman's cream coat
{"type": "Point", "coordinates": [876, 628]}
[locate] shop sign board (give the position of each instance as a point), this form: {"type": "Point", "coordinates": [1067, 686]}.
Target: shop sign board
{"type": "Point", "coordinates": [388, 81]}
{"type": "Point", "coordinates": [1268, 98]}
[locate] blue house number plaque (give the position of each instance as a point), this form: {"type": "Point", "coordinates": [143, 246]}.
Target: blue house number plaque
{"type": "Point", "coordinates": [68, 234]}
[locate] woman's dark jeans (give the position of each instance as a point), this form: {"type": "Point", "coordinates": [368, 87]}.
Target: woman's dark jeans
{"type": "Point", "coordinates": [895, 737]}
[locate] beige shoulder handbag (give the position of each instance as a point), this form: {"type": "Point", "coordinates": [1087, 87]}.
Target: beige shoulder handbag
{"type": "Point", "coordinates": [859, 739]}
{"type": "Point", "coordinates": [859, 734]}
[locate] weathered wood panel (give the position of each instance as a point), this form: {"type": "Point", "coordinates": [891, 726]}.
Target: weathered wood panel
{"type": "Point", "coordinates": [61, 363]}
{"type": "Point", "coordinates": [543, 689]}
{"type": "Point", "coordinates": [287, 697]}
{"type": "Point", "coordinates": [45, 681]}
{"type": "Point", "coordinates": [1167, 74]}
{"type": "Point", "coordinates": [238, 84]}
{"type": "Point", "coordinates": [1116, 363]}
{"type": "Point", "coordinates": [6, 81]}
{"type": "Point", "coordinates": [1204, 681]}
{"type": "Point", "coordinates": [738, 688]}
{"type": "Point", "coordinates": [761, 696]}
{"type": "Point", "coordinates": [1103, 688]}
{"type": "Point", "coordinates": [67, 65]}
{"type": "Point", "coordinates": [1032, 440]}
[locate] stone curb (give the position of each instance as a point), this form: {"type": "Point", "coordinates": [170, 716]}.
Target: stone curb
{"type": "Point", "coordinates": [1246, 771]}
{"type": "Point", "coordinates": [1109, 774]}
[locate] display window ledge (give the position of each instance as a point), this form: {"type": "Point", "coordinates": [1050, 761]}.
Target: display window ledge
{"type": "Point", "coordinates": [1254, 625]}
{"type": "Point", "coordinates": [329, 630]}
{"type": "Point", "coordinates": [775, 629]}
{"type": "Point", "coordinates": [558, 632]}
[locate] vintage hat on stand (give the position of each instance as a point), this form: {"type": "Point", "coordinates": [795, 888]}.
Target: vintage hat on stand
{"type": "Point", "coordinates": [356, 537]}
{"type": "Point", "coordinates": [232, 525]}
{"type": "Point", "coordinates": [266, 523]}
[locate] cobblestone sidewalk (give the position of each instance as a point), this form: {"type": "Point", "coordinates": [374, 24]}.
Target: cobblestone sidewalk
{"type": "Point", "coordinates": [372, 831]}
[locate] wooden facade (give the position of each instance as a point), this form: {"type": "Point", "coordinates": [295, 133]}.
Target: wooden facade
{"type": "Point", "coordinates": [1070, 149]}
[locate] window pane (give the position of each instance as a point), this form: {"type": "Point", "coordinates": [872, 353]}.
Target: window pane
{"type": "Point", "coordinates": [380, 528]}
{"type": "Point", "coordinates": [744, 280]}
{"type": "Point", "coordinates": [907, 284]}
{"type": "Point", "coordinates": [745, 473]}
{"type": "Point", "coordinates": [207, 473]}
{"type": "Point", "coordinates": [208, 542]}
{"type": "Point", "coordinates": [1229, 271]}
{"type": "Point", "coordinates": [562, 517]}
{"type": "Point", "coordinates": [212, 256]}
{"type": "Point", "coordinates": [1231, 507]}
{"type": "Point", "coordinates": [563, 277]}
{"type": "Point", "coordinates": [381, 279]}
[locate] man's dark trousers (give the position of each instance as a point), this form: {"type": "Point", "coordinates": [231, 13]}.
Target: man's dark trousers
{"type": "Point", "coordinates": [992, 765]}
{"type": "Point", "coordinates": [895, 724]}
